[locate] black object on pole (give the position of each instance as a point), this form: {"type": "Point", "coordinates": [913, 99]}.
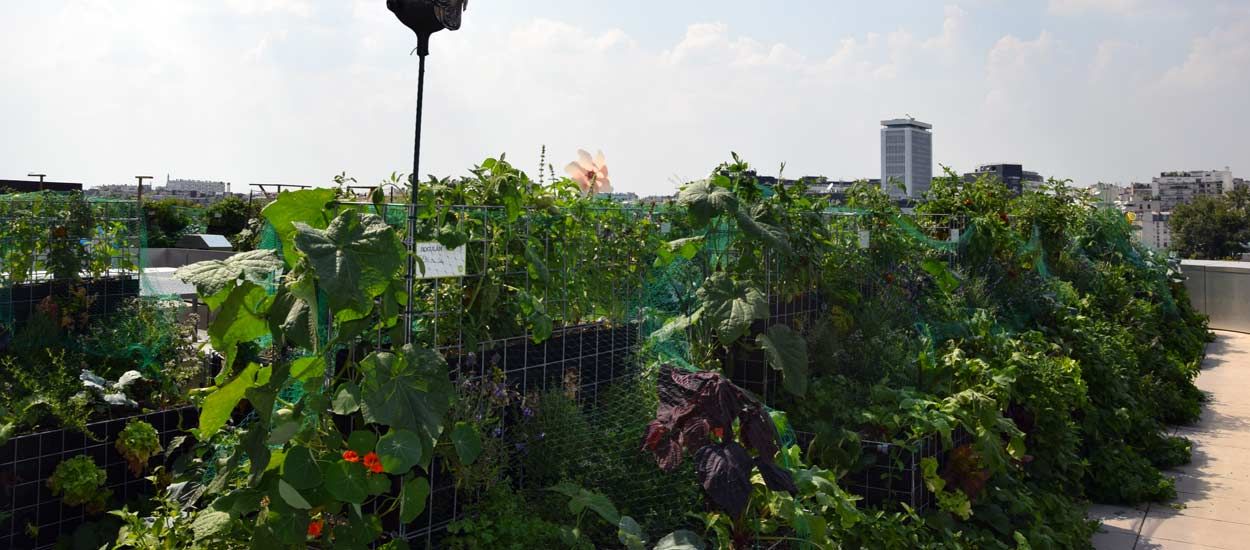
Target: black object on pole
{"type": "Point", "coordinates": [424, 17]}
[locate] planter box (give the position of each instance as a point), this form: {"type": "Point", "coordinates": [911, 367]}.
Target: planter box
{"type": "Point", "coordinates": [22, 300]}
{"type": "Point", "coordinates": [27, 461]}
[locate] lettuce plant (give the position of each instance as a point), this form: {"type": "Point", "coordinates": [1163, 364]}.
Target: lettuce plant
{"type": "Point", "coordinates": [138, 443]}
{"type": "Point", "coordinates": [79, 482]}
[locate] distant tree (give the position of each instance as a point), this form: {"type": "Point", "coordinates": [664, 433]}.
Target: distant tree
{"type": "Point", "coordinates": [167, 221]}
{"type": "Point", "coordinates": [1212, 228]}
{"type": "Point", "coordinates": [234, 217]}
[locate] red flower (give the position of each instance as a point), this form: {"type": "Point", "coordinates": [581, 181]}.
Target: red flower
{"type": "Point", "coordinates": [351, 456]}
{"type": "Point", "coordinates": [314, 527]}
{"type": "Point", "coordinates": [719, 432]}
{"type": "Point", "coordinates": [373, 463]}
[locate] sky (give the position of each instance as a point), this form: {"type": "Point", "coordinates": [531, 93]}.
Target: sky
{"type": "Point", "coordinates": [297, 91]}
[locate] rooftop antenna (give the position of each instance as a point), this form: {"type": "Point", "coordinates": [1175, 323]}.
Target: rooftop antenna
{"type": "Point", "coordinates": [40, 176]}
{"type": "Point", "coordinates": [424, 17]}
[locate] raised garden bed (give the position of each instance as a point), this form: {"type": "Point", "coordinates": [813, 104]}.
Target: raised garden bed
{"type": "Point", "coordinates": [105, 295]}
{"type": "Point", "coordinates": [31, 516]}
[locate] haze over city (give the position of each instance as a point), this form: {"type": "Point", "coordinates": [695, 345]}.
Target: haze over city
{"type": "Point", "coordinates": [296, 91]}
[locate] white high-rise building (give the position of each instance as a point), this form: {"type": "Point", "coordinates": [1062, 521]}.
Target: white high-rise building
{"type": "Point", "coordinates": [1176, 188]}
{"type": "Point", "coordinates": [906, 156]}
{"type": "Point", "coordinates": [202, 187]}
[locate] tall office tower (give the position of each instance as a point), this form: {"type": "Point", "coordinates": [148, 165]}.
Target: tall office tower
{"type": "Point", "coordinates": [906, 156]}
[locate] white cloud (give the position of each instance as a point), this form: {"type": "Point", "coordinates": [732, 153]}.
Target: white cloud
{"type": "Point", "coordinates": [271, 91]}
{"type": "Point", "coordinates": [1015, 68]}
{"type": "Point", "coordinates": [1219, 58]}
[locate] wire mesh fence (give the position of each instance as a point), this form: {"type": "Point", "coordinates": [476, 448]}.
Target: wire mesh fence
{"type": "Point", "coordinates": [64, 252]}
{"type": "Point", "coordinates": [33, 517]}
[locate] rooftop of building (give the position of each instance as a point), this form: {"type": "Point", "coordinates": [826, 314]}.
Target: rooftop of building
{"type": "Point", "coordinates": [906, 123]}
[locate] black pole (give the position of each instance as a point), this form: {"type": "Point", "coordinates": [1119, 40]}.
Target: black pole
{"type": "Point", "coordinates": [422, 51]}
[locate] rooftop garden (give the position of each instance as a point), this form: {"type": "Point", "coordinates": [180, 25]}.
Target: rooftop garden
{"type": "Point", "coordinates": [739, 367]}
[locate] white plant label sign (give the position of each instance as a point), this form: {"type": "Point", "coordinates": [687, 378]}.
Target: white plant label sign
{"type": "Point", "coordinates": [440, 262]}
{"type": "Point", "coordinates": [864, 238]}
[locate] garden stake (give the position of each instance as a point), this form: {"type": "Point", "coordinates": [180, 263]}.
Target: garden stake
{"type": "Point", "coordinates": [424, 17]}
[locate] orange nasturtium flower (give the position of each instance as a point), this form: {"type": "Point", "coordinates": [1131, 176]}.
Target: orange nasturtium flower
{"type": "Point", "coordinates": [314, 528]}
{"type": "Point", "coordinates": [373, 463]}
{"type": "Point", "coordinates": [351, 456]}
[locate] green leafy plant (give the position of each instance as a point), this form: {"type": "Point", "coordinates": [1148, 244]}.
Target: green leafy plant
{"type": "Point", "coordinates": [79, 482]}
{"type": "Point", "coordinates": [138, 442]}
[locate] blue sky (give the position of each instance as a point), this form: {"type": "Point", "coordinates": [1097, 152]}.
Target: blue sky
{"type": "Point", "coordinates": [296, 91]}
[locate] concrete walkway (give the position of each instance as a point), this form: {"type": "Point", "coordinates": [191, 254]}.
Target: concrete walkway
{"type": "Point", "coordinates": [1212, 509]}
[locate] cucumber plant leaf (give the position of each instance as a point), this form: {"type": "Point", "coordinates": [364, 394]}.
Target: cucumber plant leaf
{"type": "Point", "coordinates": [308, 206]}
{"type": "Point", "coordinates": [705, 200]}
{"type": "Point", "coordinates": [787, 352]}
{"type": "Point", "coordinates": [217, 406]}
{"type": "Point", "coordinates": [213, 276]}
{"type": "Point", "coordinates": [241, 318]}
{"type": "Point", "coordinates": [770, 235]}
{"type": "Point", "coordinates": [354, 259]}
{"type": "Point", "coordinates": [730, 306]}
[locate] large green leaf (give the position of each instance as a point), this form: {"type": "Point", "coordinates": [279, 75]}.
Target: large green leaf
{"type": "Point", "coordinates": [300, 468]}
{"type": "Point", "coordinates": [362, 441]}
{"type": "Point", "coordinates": [399, 451]}
{"type": "Point", "coordinates": [291, 496]}
{"type": "Point", "coordinates": [346, 398]}
{"type": "Point", "coordinates": [346, 481]}
{"type": "Point", "coordinates": [730, 306]}
{"type": "Point", "coordinates": [210, 523]}
{"type": "Point", "coordinates": [309, 369]}
{"type": "Point", "coordinates": [355, 259]}
{"type": "Point", "coordinates": [308, 206]}
{"type": "Point", "coordinates": [630, 534]}
{"type": "Point", "coordinates": [941, 275]}
{"type": "Point", "coordinates": [213, 276]}
{"type": "Point", "coordinates": [293, 314]}
{"type": "Point", "coordinates": [409, 390]}
{"type": "Point", "coordinates": [680, 539]}
{"type": "Point", "coordinates": [216, 408]}
{"type": "Point", "coordinates": [412, 499]}
{"type": "Point", "coordinates": [241, 318]}
{"type": "Point", "coordinates": [705, 200]}
{"type": "Point", "coordinates": [770, 235]}
{"type": "Point", "coordinates": [787, 352]}
{"type": "Point", "coordinates": [255, 442]}
{"type": "Point", "coordinates": [582, 499]}
{"type": "Point", "coordinates": [467, 441]}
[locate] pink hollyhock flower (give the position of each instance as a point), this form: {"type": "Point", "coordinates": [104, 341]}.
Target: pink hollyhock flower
{"type": "Point", "coordinates": [591, 174]}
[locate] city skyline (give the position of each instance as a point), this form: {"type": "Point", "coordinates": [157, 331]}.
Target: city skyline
{"type": "Point", "coordinates": [297, 91]}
